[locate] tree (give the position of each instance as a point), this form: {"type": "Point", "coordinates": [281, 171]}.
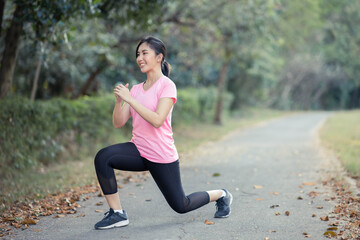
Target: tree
{"type": "Point", "coordinates": [342, 47]}
{"type": "Point", "coordinates": [48, 18]}
{"type": "Point", "coordinates": [44, 17]}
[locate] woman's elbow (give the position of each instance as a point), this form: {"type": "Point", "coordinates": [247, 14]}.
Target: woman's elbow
{"type": "Point", "coordinates": [118, 125]}
{"type": "Point", "coordinates": [157, 124]}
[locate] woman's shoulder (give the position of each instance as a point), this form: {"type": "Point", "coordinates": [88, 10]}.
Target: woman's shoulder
{"type": "Point", "coordinates": [167, 81]}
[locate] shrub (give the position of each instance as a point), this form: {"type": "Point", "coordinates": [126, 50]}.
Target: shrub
{"type": "Point", "coordinates": [33, 133]}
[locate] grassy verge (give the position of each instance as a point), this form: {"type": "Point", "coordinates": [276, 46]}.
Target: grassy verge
{"type": "Point", "coordinates": [341, 133]}
{"type": "Point", "coordinates": [79, 171]}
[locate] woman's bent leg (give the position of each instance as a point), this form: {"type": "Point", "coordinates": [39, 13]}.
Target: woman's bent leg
{"type": "Point", "coordinates": [123, 156]}
{"type": "Point", "coordinates": [167, 177]}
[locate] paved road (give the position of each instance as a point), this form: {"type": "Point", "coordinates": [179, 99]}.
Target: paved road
{"type": "Point", "coordinates": [279, 156]}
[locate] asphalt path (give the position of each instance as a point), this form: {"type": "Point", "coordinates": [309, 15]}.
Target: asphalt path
{"type": "Point", "coordinates": [271, 169]}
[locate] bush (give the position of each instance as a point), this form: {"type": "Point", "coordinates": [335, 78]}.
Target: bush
{"type": "Point", "coordinates": [198, 104]}
{"type": "Point", "coordinates": [37, 133]}
{"type": "Point", "coordinates": [40, 131]}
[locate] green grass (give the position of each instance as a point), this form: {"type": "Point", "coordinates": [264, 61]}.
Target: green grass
{"type": "Point", "coordinates": [79, 171]}
{"type": "Point", "coordinates": [341, 133]}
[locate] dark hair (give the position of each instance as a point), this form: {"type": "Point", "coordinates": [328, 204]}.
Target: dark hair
{"type": "Point", "coordinates": [159, 47]}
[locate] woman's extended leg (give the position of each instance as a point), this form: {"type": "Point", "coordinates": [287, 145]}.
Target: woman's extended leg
{"type": "Point", "coordinates": [167, 177]}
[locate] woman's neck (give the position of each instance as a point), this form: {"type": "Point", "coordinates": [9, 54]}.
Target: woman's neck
{"type": "Point", "coordinates": [153, 76]}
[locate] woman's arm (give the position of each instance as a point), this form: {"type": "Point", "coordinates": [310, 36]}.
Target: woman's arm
{"type": "Point", "coordinates": [156, 118]}
{"type": "Point", "coordinates": [121, 113]}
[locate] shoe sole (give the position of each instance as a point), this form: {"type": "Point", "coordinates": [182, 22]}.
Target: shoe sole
{"type": "Point", "coordinates": [118, 224]}
{"type": "Point", "coordinates": [231, 199]}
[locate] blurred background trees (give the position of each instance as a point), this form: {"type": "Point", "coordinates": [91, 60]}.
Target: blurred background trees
{"type": "Point", "coordinates": [284, 54]}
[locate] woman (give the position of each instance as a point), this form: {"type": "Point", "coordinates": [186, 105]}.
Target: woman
{"type": "Point", "coordinates": [151, 148]}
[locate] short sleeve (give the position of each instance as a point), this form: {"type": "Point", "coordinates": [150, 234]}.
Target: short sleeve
{"type": "Point", "coordinates": [169, 90]}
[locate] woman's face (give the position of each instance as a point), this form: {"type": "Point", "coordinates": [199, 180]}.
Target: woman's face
{"type": "Point", "coordinates": [147, 58]}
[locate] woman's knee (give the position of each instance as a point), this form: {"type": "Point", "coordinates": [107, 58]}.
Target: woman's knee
{"type": "Point", "coordinates": [179, 208]}
{"type": "Point", "coordinates": [99, 157]}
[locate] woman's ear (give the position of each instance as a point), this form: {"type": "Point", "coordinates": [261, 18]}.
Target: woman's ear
{"type": "Point", "coordinates": [160, 57]}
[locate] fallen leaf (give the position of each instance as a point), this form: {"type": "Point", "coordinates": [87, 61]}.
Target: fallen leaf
{"type": "Point", "coordinates": [332, 229]}
{"type": "Point", "coordinates": [313, 194]}
{"type": "Point", "coordinates": [287, 213]}
{"type": "Point", "coordinates": [266, 238]}
{"type": "Point", "coordinates": [330, 234]}
{"type": "Point", "coordinates": [314, 215]}
{"type": "Point", "coordinates": [300, 198]}
{"type": "Point", "coordinates": [29, 221]}
{"type": "Point", "coordinates": [324, 218]}
{"type": "Point", "coordinates": [216, 174]}
{"type": "Point", "coordinates": [258, 186]}
{"type": "Point", "coordinates": [319, 207]}
{"type": "Point", "coordinates": [99, 210]}
{"type": "Point", "coordinates": [36, 230]}
{"type": "Point", "coordinates": [59, 216]}
{"type": "Point", "coordinates": [259, 199]}
{"type": "Point", "coordinates": [207, 222]}
{"type": "Point", "coordinates": [100, 203]}
{"type": "Point", "coordinates": [309, 183]}
{"type": "Point", "coordinates": [277, 213]}
{"type": "Point", "coordinates": [274, 193]}
{"type": "Point", "coordinates": [274, 206]}
{"type": "Point", "coordinates": [17, 225]}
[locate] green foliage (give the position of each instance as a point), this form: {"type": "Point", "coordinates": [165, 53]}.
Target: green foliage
{"type": "Point", "coordinates": [197, 104]}
{"type": "Point", "coordinates": [284, 54]}
{"type": "Point", "coordinates": [39, 132]}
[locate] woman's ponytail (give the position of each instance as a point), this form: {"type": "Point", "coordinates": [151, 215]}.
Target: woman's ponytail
{"type": "Point", "coordinates": [166, 68]}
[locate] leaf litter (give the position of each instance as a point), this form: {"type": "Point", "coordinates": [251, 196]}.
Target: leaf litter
{"type": "Point", "coordinates": [22, 214]}
{"type": "Point", "coordinates": [346, 211]}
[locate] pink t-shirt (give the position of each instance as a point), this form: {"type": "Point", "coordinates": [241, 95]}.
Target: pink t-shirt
{"type": "Point", "coordinates": [154, 144]}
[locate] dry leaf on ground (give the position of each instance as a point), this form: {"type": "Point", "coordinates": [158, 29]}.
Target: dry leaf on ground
{"type": "Point", "coordinates": [207, 222]}
{"type": "Point", "coordinates": [309, 183]}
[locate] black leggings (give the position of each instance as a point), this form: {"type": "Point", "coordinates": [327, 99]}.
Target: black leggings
{"type": "Point", "coordinates": [125, 156]}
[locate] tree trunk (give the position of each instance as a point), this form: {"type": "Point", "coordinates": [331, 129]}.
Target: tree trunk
{"type": "Point", "coordinates": [37, 73]}
{"type": "Point", "coordinates": [2, 9]}
{"type": "Point", "coordinates": [221, 86]}
{"type": "Point", "coordinates": [12, 41]}
{"type": "Point", "coordinates": [36, 80]}
{"type": "Point", "coordinates": [89, 81]}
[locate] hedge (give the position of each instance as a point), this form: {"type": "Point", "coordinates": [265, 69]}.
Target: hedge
{"type": "Point", "coordinates": [37, 132]}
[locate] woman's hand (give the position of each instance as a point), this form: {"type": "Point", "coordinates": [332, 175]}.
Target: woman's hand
{"type": "Point", "coordinates": [122, 93]}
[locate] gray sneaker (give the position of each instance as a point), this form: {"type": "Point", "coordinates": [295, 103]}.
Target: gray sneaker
{"type": "Point", "coordinates": [223, 205]}
{"type": "Point", "coordinates": [113, 219]}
